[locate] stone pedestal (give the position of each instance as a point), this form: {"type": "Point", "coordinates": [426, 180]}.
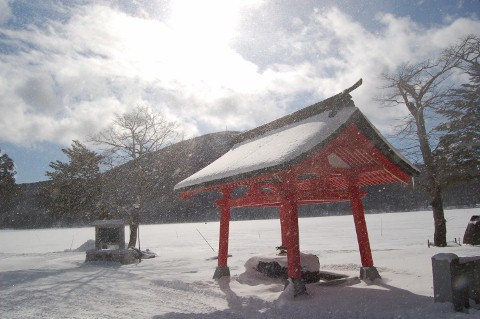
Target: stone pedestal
{"type": "Point", "coordinates": [221, 272]}
{"type": "Point", "coordinates": [299, 287]}
{"type": "Point", "coordinates": [123, 256]}
{"type": "Point", "coordinates": [369, 273]}
{"type": "Point", "coordinates": [110, 244]}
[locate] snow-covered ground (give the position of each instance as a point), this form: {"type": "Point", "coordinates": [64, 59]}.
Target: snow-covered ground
{"type": "Point", "coordinates": [39, 279]}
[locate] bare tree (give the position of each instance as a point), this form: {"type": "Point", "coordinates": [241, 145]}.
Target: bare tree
{"type": "Point", "coordinates": [135, 134]}
{"type": "Point", "coordinates": [423, 88]}
{"type": "Point", "coordinates": [129, 138]}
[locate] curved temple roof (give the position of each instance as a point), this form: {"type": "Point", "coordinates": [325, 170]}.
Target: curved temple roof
{"type": "Point", "coordinates": [282, 143]}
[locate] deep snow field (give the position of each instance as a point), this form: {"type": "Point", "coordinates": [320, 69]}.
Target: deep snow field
{"type": "Point", "coordinates": [41, 278]}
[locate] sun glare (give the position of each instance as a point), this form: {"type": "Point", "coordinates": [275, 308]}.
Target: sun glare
{"type": "Point", "coordinates": [191, 47]}
{"type": "Point", "coordinates": [206, 22]}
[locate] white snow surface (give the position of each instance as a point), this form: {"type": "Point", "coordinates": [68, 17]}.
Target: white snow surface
{"type": "Point", "coordinates": [41, 276]}
{"type": "Point", "coordinates": [273, 148]}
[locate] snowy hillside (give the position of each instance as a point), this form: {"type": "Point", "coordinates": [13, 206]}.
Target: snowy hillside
{"type": "Point", "coordinates": [172, 164]}
{"type": "Point", "coordinates": [39, 279]}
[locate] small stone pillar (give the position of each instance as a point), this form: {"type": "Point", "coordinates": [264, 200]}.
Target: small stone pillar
{"type": "Point", "coordinates": [450, 282]}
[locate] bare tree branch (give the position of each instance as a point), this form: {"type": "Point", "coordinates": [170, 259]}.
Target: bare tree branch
{"type": "Point", "coordinates": [134, 134]}
{"type": "Point", "coordinates": [424, 88]}
{"type": "Point", "coordinates": [130, 137]}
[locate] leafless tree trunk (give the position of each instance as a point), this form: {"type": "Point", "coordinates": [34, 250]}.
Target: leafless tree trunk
{"type": "Point", "coordinates": [423, 88]}
{"type": "Point", "coordinates": [129, 138]}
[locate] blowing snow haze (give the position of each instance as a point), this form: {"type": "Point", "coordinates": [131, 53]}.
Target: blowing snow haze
{"type": "Point", "coordinates": [69, 66]}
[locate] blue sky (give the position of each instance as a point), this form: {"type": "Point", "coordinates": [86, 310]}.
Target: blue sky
{"type": "Point", "coordinates": [66, 67]}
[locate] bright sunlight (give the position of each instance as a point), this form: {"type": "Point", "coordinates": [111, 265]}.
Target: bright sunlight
{"type": "Point", "coordinates": [206, 23]}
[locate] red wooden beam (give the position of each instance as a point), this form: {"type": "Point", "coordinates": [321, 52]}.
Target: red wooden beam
{"type": "Point", "coordinates": [324, 196]}
{"type": "Point", "coordinates": [255, 200]}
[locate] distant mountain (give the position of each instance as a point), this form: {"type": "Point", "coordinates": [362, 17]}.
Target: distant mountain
{"type": "Point", "coordinates": [174, 163]}
{"type": "Point", "coordinates": [164, 169]}
{"type": "Point", "coordinates": [25, 209]}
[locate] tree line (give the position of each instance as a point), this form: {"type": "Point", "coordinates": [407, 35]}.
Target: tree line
{"type": "Point", "coordinates": [441, 94]}
{"type": "Point", "coordinates": [77, 190]}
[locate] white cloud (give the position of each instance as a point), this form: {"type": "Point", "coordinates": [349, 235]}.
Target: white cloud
{"type": "Point", "coordinates": [342, 51]}
{"type": "Point", "coordinates": [5, 11]}
{"type": "Point", "coordinates": [68, 78]}
{"type": "Point", "coordinates": [38, 93]}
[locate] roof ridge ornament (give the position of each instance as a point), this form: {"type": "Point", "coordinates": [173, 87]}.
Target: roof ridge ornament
{"type": "Point", "coordinates": [345, 99]}
{"type": "Point", "coordinates": [332, 105]}
{"type": "Point", "coordinates": [353, 87]}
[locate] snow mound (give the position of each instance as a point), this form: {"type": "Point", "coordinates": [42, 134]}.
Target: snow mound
{"type": "Point", "coordinates": [88, 245]}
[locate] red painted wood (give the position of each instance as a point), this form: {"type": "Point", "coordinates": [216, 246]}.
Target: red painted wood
{"type": "Point", "coordinates": [289, 211]}
{"type": "Point", "coordinates": [224, 228]}
{"type": "Point", "coordinates": [389, 167]}
{"type": "Point", "coordinates": [311, 181]}
{"type": "Point", "coordinates": [284, 226]}
{"type": "Point", "coordinates": [256, 200]}
{"type": "Point", "coordinates": [369, 164]}
{"type": "Point", "coordinates": [361, 228]}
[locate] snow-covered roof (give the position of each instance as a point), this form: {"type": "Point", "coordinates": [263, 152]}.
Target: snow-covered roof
{"type": "Point", "coordinates": [270, 149]}
{"type": "Point", "coordinates": [284, 142]}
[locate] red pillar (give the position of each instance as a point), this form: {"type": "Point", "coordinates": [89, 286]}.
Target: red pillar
{"type": "Point", "coordinates": [284, 227]}
{"type": "Point", "coordinates": [290, 234]}
{"type": "Point", "coordinates": [360, 227]}
{"type": "Point", "coordinates": [222, 269]}
{"type": "Point", "coordinates": [289, 214]}
{"type": "Point", "coordinates": [224, 232]}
